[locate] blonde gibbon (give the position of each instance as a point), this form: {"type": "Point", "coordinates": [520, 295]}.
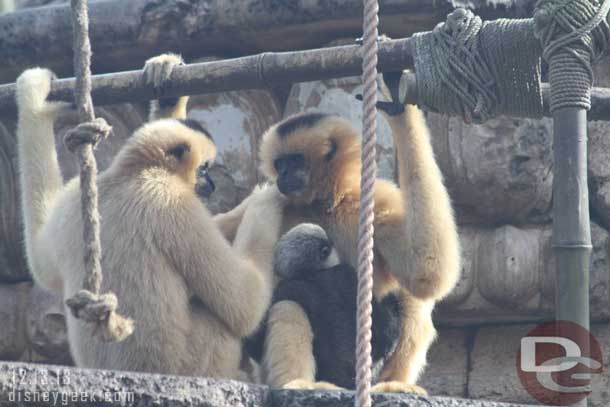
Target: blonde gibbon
{"type": "Point", "coordinates": [192, 296]}
{"type": "Point", "coordinates": [157, 71]}
{"type": "Point", "coordinates": [314, 158]}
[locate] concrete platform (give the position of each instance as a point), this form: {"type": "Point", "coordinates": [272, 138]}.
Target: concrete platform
{"type": "Point", "coordinates": [23, 384]}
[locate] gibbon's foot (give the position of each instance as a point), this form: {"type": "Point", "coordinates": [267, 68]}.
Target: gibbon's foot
{"type": "Point", "coordinates": [302, 384]}
{"type": "Point", "coordinates": [157, 70]}
{"type": "Point", "coordinates": [398, 387]}
{"type": "Point", "coordinates": [33, 88]}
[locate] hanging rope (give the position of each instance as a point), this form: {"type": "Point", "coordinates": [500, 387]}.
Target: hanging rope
{"type": "Point", "coordinates": [467, 67]}
{"type": "Point", "coordinates": [88, 304]}
{"type": "Point", "coordinates": [573, 33]}
{"type": "Point", "coordinates": [367, 204]}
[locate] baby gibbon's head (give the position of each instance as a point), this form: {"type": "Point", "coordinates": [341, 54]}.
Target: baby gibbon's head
{"type": "Point", "coordinates": [303, 249]}
{"type": "Point", "coordinates": [181, 147]}
{"type": "Point", "coordinates": [304, 153]}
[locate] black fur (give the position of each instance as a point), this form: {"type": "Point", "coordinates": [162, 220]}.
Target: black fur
{"type": "Point", "coordinates": [195, 125]}
{"type": "Point", "coordinates": [168, 102]}
{"type": "Point", "coordinates": [328, 297]}
{"type": "Point", "coordinates": [304, 120]}
{"type": "Point", "coordinates": [179, 151]}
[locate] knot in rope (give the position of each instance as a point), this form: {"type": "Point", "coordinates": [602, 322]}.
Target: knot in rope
{"type": "Point", "coordinates": [467, 67]}
{"type": "Point", "coordinates": [574, 33]}
{"type": "Point", "coordinates": [87, 133]}
{"type": "Point", "coordinates": [100, 310]}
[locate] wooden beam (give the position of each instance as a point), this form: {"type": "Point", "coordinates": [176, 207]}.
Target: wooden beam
{"type": "Point", "coordinates": [125, 33]}
{"type": "Point", "coordinates": [260, 71]}
{"type": "Point", "coordinates": [257, 71]}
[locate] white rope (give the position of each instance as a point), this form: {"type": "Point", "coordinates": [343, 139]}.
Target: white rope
{"type": "Point", "coordinates": [367, 204]}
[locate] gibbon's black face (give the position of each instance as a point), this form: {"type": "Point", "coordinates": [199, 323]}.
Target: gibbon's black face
{"type": "Point", "coordinates": [204, 186]}
{"type": "Point", "coordinates": [293, 174]}
{"type": "Point", "coordinates": [303, 249]}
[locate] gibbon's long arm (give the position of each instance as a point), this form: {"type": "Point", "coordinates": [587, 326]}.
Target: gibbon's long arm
{"type": "Point", "coordinates": [264, 213]}
{"type": "Point", "coordinates": [230, 286]}
{"type": "Point", "coordinates": [421, 251]}
{"type": "Point", "coordinates": [40, 176]}
{"type": "Point", "coordinates": [157, 70]}
{"type": "Point", "coordinates": [228, 222]}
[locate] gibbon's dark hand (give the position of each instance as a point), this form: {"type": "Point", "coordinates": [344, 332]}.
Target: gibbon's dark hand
{"type": "Point", "coordinates": [389, 86]}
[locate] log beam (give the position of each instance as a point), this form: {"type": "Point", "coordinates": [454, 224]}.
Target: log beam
{"type": "Point", "coordinates": [259, 71]}
{"type": "Point", "coordinates": [125, 33]}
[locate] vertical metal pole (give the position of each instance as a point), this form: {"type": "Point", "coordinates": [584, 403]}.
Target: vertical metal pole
{"type": "Point", "coordinates": [571, 228]}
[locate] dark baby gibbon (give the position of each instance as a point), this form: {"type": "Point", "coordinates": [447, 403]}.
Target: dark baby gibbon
{"type": "Point", "coordinates": [315, 281]}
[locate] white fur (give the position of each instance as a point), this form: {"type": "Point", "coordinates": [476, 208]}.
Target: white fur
{"type": "Point", "coordinates": [192, 296]}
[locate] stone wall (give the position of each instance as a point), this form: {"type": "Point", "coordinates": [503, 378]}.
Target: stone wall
{"type": "Point", "coordinates": [499, 175]}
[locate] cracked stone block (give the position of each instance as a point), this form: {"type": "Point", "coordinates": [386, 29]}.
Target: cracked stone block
{"type": "Point", "coordinates": [494, 376]}
{"type": "Point", "coordinates": [46, 327]}
{"type": "Point", "coordinates": [447, 370]}
{"type": "Point", "coordinates": [13, 298]}
{"type": "Point", "coordinates": [508, 275]}
{"type": "Point", "coordinates": [498, 172]}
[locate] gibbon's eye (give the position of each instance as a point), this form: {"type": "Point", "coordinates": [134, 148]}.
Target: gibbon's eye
{"type": "Point", "coordinates": [179, 151]}
{"type": "Point", "coordinates": [333, 150]}
{"type": "Point", "coordinates": [325, 250]}
{"type": "Point", "coordinates": [203, 169]}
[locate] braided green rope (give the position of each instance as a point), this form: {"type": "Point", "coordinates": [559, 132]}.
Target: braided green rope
{"type": "Point", "coordinates": [574, 33]}
{"type": "Point", "coordinates": [469, 68]}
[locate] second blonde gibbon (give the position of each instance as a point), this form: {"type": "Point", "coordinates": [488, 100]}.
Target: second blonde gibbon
{"type": "Point", "coordinates": [314, 159]}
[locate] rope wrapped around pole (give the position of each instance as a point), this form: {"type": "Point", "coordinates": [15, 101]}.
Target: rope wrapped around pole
{"type": "Point", "coordinates": [367, 204]}
{"type": "Point", "coordinates": [467, 67]}
{"type": "Point", "coordinates": [573, 33]}
{"type": "Point", "coordinates": [88, 304]}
